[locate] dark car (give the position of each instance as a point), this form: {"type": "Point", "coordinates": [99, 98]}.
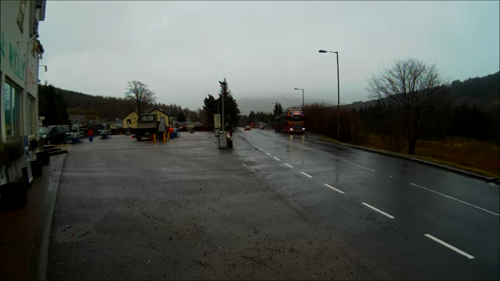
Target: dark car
{"type": "Point", "coordinates": [54, 134]}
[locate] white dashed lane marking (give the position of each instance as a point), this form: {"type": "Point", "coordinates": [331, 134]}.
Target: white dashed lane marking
{"type": "Point", "coordinates": [306, 174]}
{"type": "Point", "coordinates": [338, 190]}
{"type": "Point", "coordinates": [375, 209]}
{"type": "Point", "coordinates": [449, 246]}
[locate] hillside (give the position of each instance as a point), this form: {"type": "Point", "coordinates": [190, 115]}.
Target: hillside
{"type": "Point", "coordinates": [484, 92]}
{"type": "Point", "coordinates": [111, 108]}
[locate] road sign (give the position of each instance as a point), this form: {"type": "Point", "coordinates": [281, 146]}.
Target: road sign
{"type": "Point", "coordinates": [216, 121]}
{"type": "Point", "coordinates": [222, 140]}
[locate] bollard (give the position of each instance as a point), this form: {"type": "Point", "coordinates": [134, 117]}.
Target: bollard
{"type": "Point", "coordinates": [164, 137]}
{"type": "Point", "coordinates": [154, 137]}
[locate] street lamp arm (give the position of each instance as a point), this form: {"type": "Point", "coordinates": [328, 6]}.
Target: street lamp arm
{"type": "Point", "coordinates": [338, 91]}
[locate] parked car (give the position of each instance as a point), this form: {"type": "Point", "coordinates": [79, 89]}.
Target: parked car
{"type": "Point", "coordinates": [54, 134]}
{"type": "Point", "coordinates": [248, 128]}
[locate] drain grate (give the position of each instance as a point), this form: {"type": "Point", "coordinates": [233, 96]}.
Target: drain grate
{"type": "Point", "coordinates": [75, 232]}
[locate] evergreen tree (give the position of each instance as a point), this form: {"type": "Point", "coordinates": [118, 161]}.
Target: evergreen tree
{"type": "Point", "coordinates": [181, 117]}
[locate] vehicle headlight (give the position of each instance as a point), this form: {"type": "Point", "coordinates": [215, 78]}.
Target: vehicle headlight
{"type": "Point", "coordinates": [291, 129]}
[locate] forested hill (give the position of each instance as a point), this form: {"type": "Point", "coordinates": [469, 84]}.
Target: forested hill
{"type": "Point", "coordinates": [111, 108]}
{"type": "Point", "coordinates": [106, 107]}
{"type": "Point", "coordinates": [484, 92]}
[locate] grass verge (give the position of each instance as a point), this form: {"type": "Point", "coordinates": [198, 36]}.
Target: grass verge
{"type": "Point", "coordinates": [477, 157]}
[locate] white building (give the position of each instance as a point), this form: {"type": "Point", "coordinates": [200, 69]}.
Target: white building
{"type": "Point", "coordinates": [20, 52]}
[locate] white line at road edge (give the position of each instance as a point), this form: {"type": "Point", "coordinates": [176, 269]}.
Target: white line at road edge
{"type": "Point", "coordinates": [256, 146]}
{"type": "Point", "coordinates": [340, 191]}
{"type": "Point", "coordinates": [449, 246]}
{"type": "Point", "coordinates": [277, 158]}
{"type": "Point", "coordinates": [358, 165]}
{"type": "Point", "coordinates": [289, 165]}
{"type": "Point", "coordinates": [383, 213]}
{"type": "Point", "coordinates": [456, 199]}
{"type": "Point", "coordinates": [306, 174]}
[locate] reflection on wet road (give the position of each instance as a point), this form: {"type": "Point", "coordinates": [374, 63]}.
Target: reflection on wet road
{"type": "Point", "coordinates": [412, 220]}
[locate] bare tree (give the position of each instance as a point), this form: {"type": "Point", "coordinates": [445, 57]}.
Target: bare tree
{"type": "Point", "coordinates": [412, 94]}
{"type": "Point", "coordinates": [139, 94]}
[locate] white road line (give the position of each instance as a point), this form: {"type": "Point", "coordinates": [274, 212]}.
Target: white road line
{"type": "Point", "coordinates": [277, 158]}
{"type": "Point", "coordinates": [358, 165]}
{"type": "Point", "coordinates": [268, 153]}
{"type": "Point", "coordinates": [289, 165]}
{"type": "Point", "coordinates": [383, 213]}
{"type": "Point", "coordinates": [456, 199]}
{"type": "Point", "coordinates": [256, 146]}
{"type": "Point", "coordinates": [306, 174]}
{"type": "Point", "coordinates": [340, 191]}
{"type": "Point", "coordinates": [449, 246]}
{"type": "Point", "coordinates": [493, 184]}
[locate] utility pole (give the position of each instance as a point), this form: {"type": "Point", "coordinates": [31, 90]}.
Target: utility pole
{"type": "Point", "coordinates": [338, 92]}
{"type": "Point", "coordinates": [223, 85]}
{"type": "Point", "coordinates": [338, 97]}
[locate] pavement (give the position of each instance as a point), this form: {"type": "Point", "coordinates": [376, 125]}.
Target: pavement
{"type": "Point", "coordinates": [413, 220]}
{"type": "Point", "coordinates": [129, 210]}
{"type": "Point", "coordinates": [21, 229]}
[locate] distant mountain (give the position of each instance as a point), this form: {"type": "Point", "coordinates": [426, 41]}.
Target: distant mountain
{"type": "Point", "coordinates": [484, 92]}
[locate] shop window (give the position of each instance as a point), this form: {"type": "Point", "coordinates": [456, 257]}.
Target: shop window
{"type": "Point", "coordinates": [12, 110]}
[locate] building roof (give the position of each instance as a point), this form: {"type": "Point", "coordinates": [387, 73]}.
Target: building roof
{"type": "Point", "coordinates": [159, 109]}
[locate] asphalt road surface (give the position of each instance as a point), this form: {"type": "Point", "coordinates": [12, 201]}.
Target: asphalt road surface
{"type": "Point", "coordinates": [412, 220]}
{"type": "Point", "coordinates": [275, 207]}
{"type": "Point", "coordinates": [129, 210]}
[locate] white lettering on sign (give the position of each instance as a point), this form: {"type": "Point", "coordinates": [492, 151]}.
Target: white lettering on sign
{"type": "Point", "coordinates": [222, 140]}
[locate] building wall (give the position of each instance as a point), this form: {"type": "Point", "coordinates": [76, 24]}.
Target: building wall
{"type": "Point", "coordinates": [19, 68]}
{"type": "Point", "coordinates": [133, 120]}
{"type": "Point", "coordinates": [161, 114]}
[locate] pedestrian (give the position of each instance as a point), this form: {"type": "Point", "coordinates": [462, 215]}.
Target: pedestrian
{"type": "Point", "coordinates": [91, 134]}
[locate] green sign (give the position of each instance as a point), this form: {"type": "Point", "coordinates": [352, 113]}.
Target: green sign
{"type": "Point", "coordinates": [16, 62]}
{"type": "Point", "coordinates": [2, 47]}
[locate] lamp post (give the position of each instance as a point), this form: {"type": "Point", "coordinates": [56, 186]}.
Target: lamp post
{"type": "Point", "coordinates": [302, 97]}
{"type": "Point", "coordinates": [223, 84]}
{"type": "Point", "coordinates": [338, 92]}
{"type": "Point", "coordinates": [78, 121]}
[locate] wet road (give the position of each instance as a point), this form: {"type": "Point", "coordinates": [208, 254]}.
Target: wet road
{"type": "Point", "coordinates": [129, 210]}
{"type": "Point", "coordinates": [411, 220]}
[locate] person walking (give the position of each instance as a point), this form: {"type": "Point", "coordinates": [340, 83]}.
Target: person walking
{"type": "Point", "coordinates": [91, 134]}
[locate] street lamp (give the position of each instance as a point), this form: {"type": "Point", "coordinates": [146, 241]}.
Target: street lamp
{"type": "Point", "coordinates": [223, 84]}
{"type": "Point", "coordinates": [302, 97]}
{"type": "Point", "coordinates": [338, 92]}
{"type": "Point", "coordinates": [46, 67]}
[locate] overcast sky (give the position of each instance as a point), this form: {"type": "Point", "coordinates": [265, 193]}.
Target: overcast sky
{"type": "Point", "coordinates": [264, 49]}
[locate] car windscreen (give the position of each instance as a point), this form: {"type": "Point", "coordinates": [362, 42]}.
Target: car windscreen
{"type": "Point", "coordinates": [43, 131]}
{"type": "Point", "coordinates": [296, 118]}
